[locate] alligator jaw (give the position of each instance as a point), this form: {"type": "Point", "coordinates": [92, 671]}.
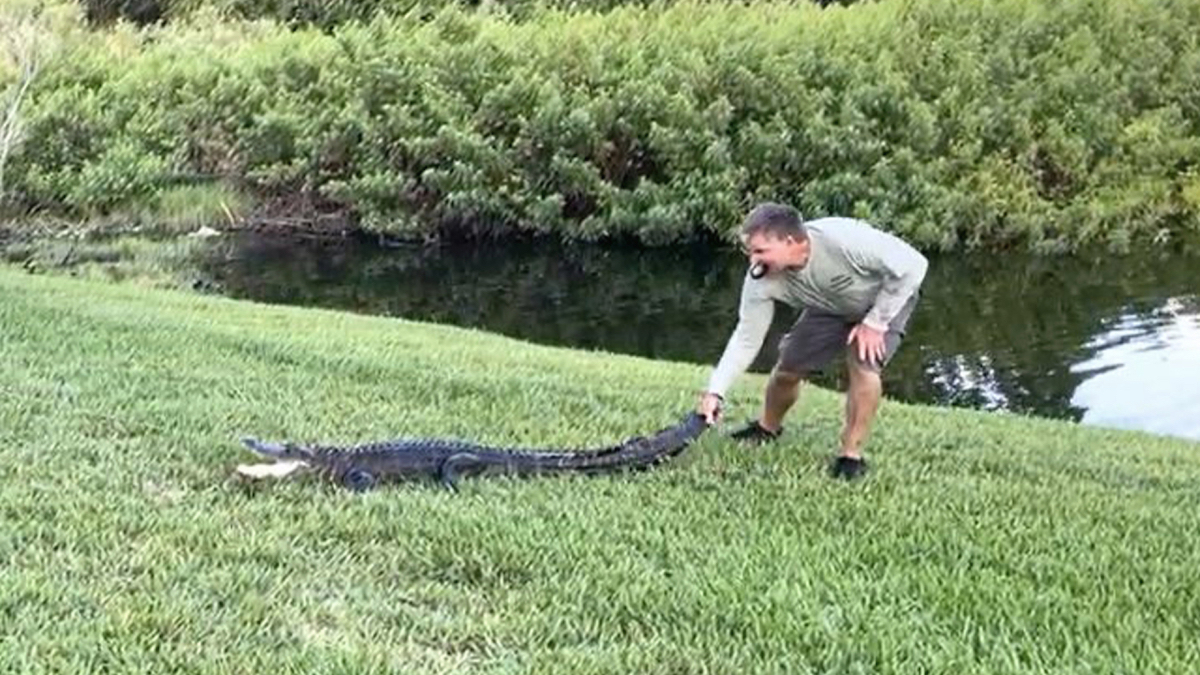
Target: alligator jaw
{"type": "Point", "coordinates": [284, 464]}
{"type": "Point", "coordinates": [281, 469]}
{"type": "Point", "coordinates": [264, 449]}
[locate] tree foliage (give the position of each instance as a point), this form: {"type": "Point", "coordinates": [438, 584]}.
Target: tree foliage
{"type": "Point", "coordinates": [1012, 122]}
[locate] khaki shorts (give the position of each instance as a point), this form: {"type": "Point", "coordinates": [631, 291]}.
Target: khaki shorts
{"type": "Point", "coordinates": [817, 337]}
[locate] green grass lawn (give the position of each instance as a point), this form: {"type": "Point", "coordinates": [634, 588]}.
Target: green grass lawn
{"type": "Point", "coordinates": [980, 544]}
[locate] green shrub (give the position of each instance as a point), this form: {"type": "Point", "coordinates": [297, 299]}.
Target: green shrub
{"type": "Point", "coordinates": [327, 14]}
{"type": "Point", "coordinates": [1009, 123]}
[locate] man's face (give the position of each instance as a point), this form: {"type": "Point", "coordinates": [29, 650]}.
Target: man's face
{"type": "Point", "coordinates": [776, 253]}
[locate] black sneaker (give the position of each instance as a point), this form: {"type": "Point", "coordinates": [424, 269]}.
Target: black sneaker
{"type": "Point", "coordinates": [754, 432]}
{"type": "Point", "coordinates": [847, 467]}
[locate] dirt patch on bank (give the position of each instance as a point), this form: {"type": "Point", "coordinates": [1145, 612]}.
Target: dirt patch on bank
{"type": "Point", "coordinates": [298, 215]}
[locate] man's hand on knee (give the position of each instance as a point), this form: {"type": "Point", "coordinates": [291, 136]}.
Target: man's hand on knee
{"type": "Point", "coordinates": [868, 342]}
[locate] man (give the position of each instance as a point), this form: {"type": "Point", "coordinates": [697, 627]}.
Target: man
{"type": "Point", "coordinates": [858, 286]}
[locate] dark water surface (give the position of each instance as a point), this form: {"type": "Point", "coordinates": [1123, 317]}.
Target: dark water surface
{"type": "Point", "coordinates": [1103, 340]}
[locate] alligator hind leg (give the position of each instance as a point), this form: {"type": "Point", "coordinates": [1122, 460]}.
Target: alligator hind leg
{"type": "Point", "coordinates": [359, 480]}
{"type": "Point", "coordinates": [634, 441]}
{"type": "Point", "coordinates": [448, 473]}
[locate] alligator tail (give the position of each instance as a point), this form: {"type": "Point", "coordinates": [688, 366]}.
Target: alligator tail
{"type": "Point", "coordinates": [635, 453]}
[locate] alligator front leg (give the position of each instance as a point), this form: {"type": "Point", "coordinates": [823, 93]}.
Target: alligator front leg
{"type": "Point", "coordinates": [448, 473]}
{"type": "Point", "coordinates": [359, 480]}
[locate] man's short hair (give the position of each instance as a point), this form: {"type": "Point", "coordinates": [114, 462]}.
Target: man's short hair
{"type": "Point", "coordinates": [778, 220]}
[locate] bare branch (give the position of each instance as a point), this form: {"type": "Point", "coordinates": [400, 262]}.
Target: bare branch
{"type": "Point", "coordinates": [24, 29]}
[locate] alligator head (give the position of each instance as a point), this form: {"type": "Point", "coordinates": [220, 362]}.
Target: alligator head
{"type": "Point", "coordinates": [288, 459]}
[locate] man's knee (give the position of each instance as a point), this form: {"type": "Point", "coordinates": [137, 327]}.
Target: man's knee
{"type": "Point", "coordinates": [787, 377]}
{"type": "Point", "coordinates": [862, 371]}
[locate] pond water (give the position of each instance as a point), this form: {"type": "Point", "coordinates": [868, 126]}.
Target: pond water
{"type": "Point", "coordinates": [1102, 340]}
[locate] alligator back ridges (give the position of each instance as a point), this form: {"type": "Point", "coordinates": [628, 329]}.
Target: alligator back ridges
{"type": "Point", "coordinates": [363, 466]}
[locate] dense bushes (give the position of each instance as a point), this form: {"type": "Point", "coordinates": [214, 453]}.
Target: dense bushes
{"type": "Point", "coordinates": [1013, 121]}
{"type": "Point", "coordinates": [320, 13]}
{"type": "Point", "coordinates": [330, 13]}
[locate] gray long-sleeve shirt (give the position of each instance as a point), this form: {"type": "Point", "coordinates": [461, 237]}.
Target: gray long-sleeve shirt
{"type": "Point", "coordinates": [854, 270]}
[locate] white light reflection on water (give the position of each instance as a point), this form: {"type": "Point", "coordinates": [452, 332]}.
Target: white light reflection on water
{"type": "Point", "coordinates": [1146, 372]}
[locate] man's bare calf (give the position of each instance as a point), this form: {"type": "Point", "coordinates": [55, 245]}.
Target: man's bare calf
{"type": "Point", "coordinates": [783, 390]}
{"type": "Point", "coordinates": [862, 401]}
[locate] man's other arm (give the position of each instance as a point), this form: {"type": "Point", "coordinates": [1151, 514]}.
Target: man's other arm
{"type": "Point", "coordinates": [900, 265]}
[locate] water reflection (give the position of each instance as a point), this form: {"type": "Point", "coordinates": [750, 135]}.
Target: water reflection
{"type": "Point", "coordinates": [1143, 374]}
{"type": "Point", "coordinates": [1070, 339]}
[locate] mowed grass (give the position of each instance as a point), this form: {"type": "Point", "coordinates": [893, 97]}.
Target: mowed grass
{"type": "Point", "coordinates": [980, 544]}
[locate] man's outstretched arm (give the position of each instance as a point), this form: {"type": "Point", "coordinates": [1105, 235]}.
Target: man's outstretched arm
{"type": "Point", "coordinates": [755, 312]}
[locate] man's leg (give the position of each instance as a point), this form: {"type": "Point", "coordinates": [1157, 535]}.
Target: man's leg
{"type": "Point", "coordinates": [783, 389]}
{"type": "Point", "coordinates": [862, 402]}
{"type": "Point", "coordinates": [862, 397]}
{"type": "Point", "coordinates": [814, 340]}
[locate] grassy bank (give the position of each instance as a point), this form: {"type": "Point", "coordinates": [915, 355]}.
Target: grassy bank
{"type": "Point", "coordinates": [982, 544]}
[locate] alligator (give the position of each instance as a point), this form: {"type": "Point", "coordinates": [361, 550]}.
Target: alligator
{"type": "Point", "coordinates": [363, 467]}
